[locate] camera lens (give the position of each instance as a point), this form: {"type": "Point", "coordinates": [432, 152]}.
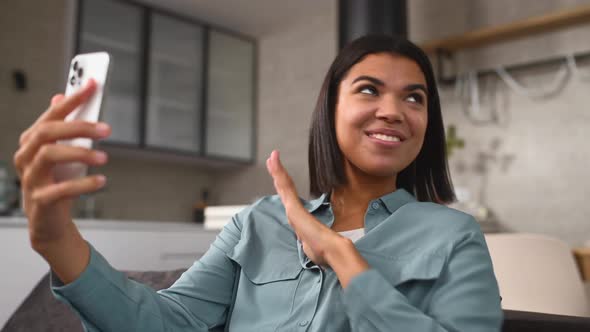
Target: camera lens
{"type": "Point", "coordinates": [75, 65]}
{"type": "Point", "coordinates": [80, 72]}
{"type": "Point", "coordinates": [73, 80]}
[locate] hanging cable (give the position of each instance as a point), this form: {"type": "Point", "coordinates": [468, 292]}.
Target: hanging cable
{"type": "Point", "coordinates": [467, 91]}
{"type": "Point", "coordinates": [556, 84]}
{"type": "Point", "coordinates": [571, 63]}
{"type": "Point", "coordinates": [474, 102]}
{"type": "Point", "coordinates": [459, 85]}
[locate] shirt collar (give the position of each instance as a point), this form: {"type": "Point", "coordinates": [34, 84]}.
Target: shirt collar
{"type": "Point", "coordinates": [315, 204]}
{"type": "Point", "coordinates": [392, 201]}
{"type": "Point", "coordinates": [396, 199]}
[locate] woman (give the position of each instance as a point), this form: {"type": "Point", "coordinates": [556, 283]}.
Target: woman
{"type": "Point", "coordinates": [374, 252]}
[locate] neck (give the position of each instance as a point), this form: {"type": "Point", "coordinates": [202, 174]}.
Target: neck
{"type": "Point", "coordinates": [357, 195]}
{"type": "Point", "coordinates": [351, 200]}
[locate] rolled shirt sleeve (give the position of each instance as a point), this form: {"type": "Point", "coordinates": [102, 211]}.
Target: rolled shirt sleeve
{"type": "Point", "coordinates": [106, 300]}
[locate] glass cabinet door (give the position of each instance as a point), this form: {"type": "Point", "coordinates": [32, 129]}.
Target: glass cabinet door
{"type": "Point", "coordinates": [175, 84]}
{"type": "Point", "coordinates": [174, 104]}
{"type": "Point", "coordinates": [115, 27]}
{"type": "Point", "coordinates": [230, 93]}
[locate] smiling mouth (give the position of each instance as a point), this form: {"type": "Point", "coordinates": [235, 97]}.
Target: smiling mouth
{"type": "Point", "coordinates": [385, 138]}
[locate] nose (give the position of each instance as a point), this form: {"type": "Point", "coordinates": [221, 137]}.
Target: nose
{"type": "Point", "coordinates": [390, 110]}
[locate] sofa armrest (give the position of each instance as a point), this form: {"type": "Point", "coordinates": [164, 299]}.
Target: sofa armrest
{"type": "Point", "coordinates": [524, 321]}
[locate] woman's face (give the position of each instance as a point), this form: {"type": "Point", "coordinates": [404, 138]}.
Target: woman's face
{"type": "Point", "coordinates": [381, 114]}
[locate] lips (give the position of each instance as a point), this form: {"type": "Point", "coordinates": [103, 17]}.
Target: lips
{"type": "Point", "coordinates": [386, 135]}
{"type": "Point", "coordinates": [386, 138]}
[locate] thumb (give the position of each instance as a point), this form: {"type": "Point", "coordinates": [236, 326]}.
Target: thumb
{"type": "Point", "coordinates": [282, 181]}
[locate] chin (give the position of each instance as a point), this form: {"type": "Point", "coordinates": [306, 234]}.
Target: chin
{"type": "Point", "coordinates": [383, 169]}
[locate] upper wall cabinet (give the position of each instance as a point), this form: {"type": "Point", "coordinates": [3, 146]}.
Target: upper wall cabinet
{"type": "Point", "coordinates": [115, 27]}
{"type": "Point", "coordinates": [176, 85]}
{"type": "Point", "coordinates": [230, 96]}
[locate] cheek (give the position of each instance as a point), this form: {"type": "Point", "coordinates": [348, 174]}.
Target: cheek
{"type": "Point", "coordinates": [418, 123]}
{"type": "Point", "coordinates": [350, 120]}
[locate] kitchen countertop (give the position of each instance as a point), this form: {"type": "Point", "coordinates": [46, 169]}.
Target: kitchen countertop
{"type": "Point", "coordinates": [110, 224]}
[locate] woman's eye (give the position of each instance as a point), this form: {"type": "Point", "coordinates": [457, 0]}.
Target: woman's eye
{"type": "Point", "coordinates": [415, 98]}
{"type": "Point", "coordinates": [368, 90]}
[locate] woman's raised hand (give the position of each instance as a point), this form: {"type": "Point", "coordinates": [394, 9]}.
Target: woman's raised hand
{"type": "Point", "coordinates": [321, 244]}
{"type": "Point", "coordinates": [315, 237]}
{"type": "Point", "coordinates": [48, 203]}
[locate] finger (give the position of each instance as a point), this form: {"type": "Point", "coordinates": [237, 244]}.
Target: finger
{"type": "Point", "coordinates": [25, 135]}
{"type": "Point", "coordinates": [66, 105]}
{"type": "Point", "coordinates": [52, 154]}
{"type": "Point", "coordinates": [282, 181]}
{"type": "Point", "coordinates": [67, 189]}
{"type": "Point", "coordinates": [56, 99]}
{"type": "Point", "coordinates": [49, 132]}
{"type": "Point", "coordinates": [61, 106]}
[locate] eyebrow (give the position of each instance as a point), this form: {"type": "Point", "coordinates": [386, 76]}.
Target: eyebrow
{"type": "Point", "coordinates": [371, 79]}
{"type": "Point", "coordinates": [376, 81]}
{"type": "Point", "coordinates": [417, 86]}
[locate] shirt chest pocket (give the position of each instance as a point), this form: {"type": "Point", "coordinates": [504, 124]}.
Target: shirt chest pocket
{"type": "Point", "coordinates": [412, 275]}
{"type": "Point", "coordinates": [268, 277]}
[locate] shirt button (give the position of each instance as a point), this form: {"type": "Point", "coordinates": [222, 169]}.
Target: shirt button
{"type": "Point", "coordinates": [375, 206]}
{"type": "Point", "coordinates": [303, 323]}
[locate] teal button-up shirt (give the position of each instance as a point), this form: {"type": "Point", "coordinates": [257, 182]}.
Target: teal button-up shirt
{"type": "Point", "coordinates": [430, 271]}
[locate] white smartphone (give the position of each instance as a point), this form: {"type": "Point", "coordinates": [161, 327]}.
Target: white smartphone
{"type": "Point", "coordinates": [82, 68]}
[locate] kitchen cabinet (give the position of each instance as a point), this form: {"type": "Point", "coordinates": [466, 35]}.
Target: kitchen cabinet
{"type": "Point", "coordinates": [115, 27]}
{"type": "Point", "coordinates": [178, 87]}
{"type": "Point", "coordinates": [230, 97]}
{"type": "Point", "coordinates": [174, 108]}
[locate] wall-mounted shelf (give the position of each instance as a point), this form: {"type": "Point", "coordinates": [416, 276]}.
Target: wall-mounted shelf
{"type": "Point", "coordinates": [530, 26]}
{"type": "Point", "coordinates": [444, 49]}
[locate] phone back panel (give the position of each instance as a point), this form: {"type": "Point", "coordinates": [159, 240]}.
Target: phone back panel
{"type": "Point", "coordinates": [82, 68]}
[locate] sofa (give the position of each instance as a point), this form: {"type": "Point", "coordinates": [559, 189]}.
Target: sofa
{"type": "Point", "coordinates": [40, 311]}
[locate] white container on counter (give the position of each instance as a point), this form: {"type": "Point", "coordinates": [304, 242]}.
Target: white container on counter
{"type": "Point", "coordinates": [217, 216]}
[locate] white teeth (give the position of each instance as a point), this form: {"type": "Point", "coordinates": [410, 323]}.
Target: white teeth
{"type": "Point", "coordinates": [386, 137]}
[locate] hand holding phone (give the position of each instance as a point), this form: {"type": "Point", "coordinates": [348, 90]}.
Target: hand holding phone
{"type": "Point", "coordinates": [83, 68]}
{"type": "Point", "coordinates": [47, 202]}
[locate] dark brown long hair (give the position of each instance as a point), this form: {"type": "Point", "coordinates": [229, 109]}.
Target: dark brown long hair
{"type": "Point", "coordinates": [427, 177]}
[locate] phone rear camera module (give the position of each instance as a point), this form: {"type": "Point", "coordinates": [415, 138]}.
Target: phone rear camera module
{"type": "Point", "coordinates": [75, 65]}
{"type": "Point", "coordinates": [80, 72]}
{"type": "Point", "coordinates": [73, 80]}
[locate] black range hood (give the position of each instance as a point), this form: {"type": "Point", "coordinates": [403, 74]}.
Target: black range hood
{"type": "Point", "coordinates": [357, 18]}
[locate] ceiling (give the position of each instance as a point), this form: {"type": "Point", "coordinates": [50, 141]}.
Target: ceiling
{"type": "Point", "coordinates": [254, 18]}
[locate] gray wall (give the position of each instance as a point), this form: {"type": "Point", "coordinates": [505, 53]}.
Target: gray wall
{"type": "Point", "coordinates": [38, 49]}
{"type": "Point", "coordinates": [35, 37]}
{"type": "Point", "coordinates": [292, 65]}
